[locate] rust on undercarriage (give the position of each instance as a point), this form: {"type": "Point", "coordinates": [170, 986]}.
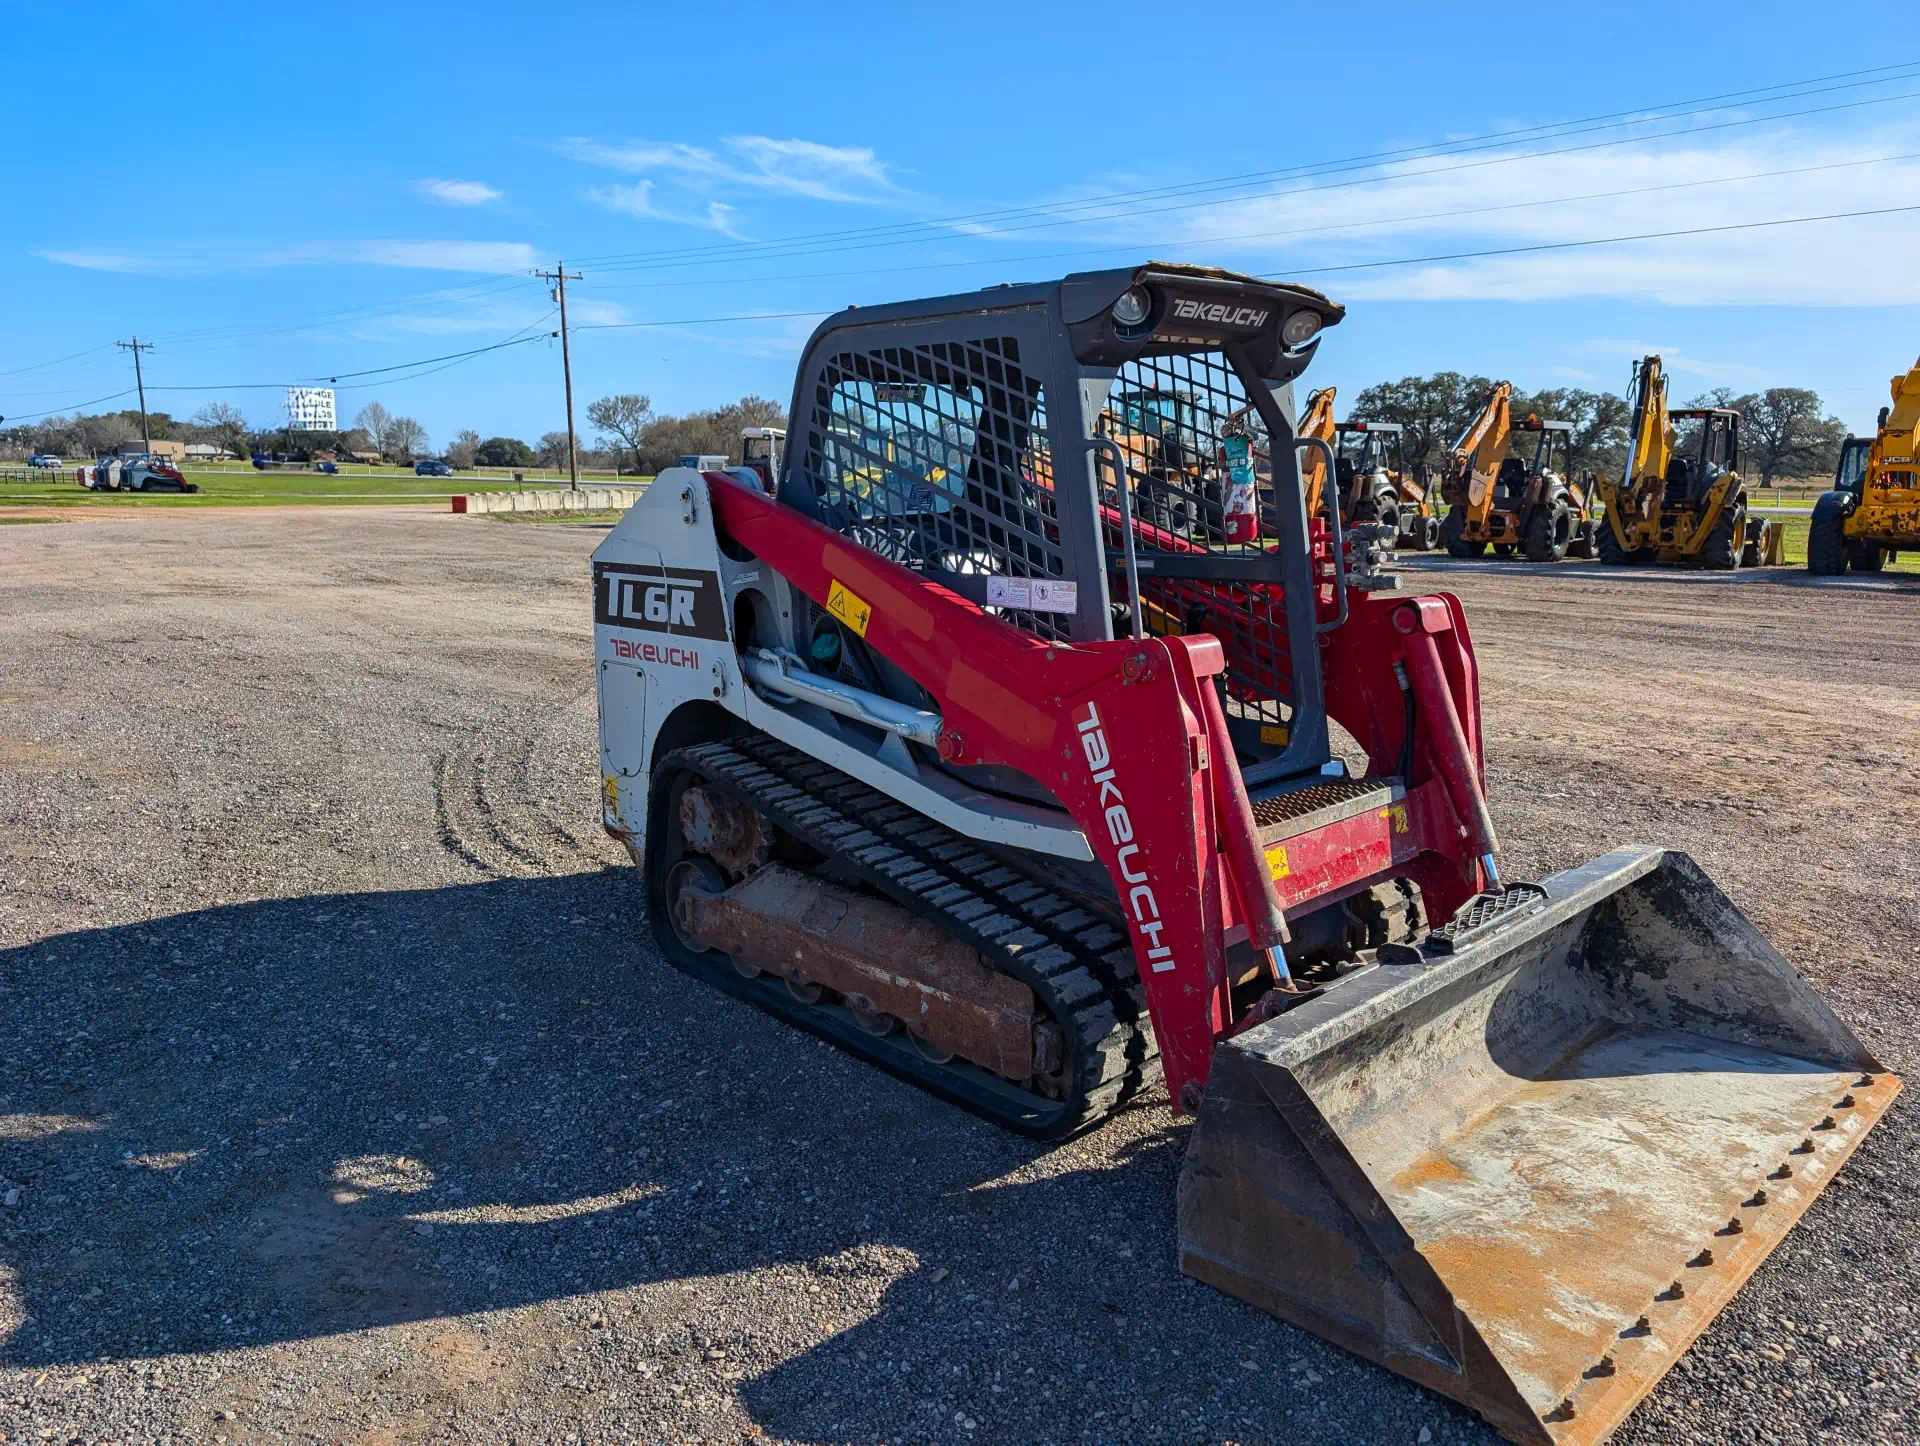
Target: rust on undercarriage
{"type": "Point", "coordinates": [880, 958]}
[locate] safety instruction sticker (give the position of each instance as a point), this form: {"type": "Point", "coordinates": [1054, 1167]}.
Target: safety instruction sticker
{"type": "Point", "coordinates": [1273, 735]}
{"type": "Point", "coordinates": [848, 606]}
{"type": "Point", "coordinates": [1277, 861]}
{"type": "Point", "coordinates": [1033, 594]}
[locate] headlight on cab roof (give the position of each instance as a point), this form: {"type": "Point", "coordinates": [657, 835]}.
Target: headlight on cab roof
{"type": "Point", "coordinates": [1301, 328]}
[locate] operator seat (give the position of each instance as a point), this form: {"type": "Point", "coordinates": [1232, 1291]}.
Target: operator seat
{"type": "Point", "coordinates": [1512, 481]}
{"type": "Point", "coordinates": [1679, 489]}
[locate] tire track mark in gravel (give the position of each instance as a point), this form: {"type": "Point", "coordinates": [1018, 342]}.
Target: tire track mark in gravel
{"type": "Point", "coordinates": [498, 801]}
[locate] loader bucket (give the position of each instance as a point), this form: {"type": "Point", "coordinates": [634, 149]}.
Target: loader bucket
{"type": "Point", "coordinates": [1528, 1172]}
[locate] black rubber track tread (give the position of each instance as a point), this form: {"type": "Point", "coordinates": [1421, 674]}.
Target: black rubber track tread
{"type": "Point", "coordinates": [1080, 968]}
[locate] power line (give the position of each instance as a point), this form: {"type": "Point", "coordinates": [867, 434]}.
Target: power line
{"type": "Point", "coordinates": [438, 363]}
{"type": "Point", "coordinates": [559, 277]}
{"type": "Point", "coordinates": [1594, 241]}
{"type": "Point", "coordinates": [1319, 189]}
{"type": "Point", "coordinates": [1465, 145]}
{"type": "Point", "coordinates": [136, 346]}
{"type": "Point", "coordinates": [72, 407]}
{"type": "Point", "coordinates": [1155, 246]}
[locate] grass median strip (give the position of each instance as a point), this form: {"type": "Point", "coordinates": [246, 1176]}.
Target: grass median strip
{"type": "Point", "coordinates": [236, 488]}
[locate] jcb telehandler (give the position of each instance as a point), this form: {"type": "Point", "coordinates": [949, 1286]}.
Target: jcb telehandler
{"type": "Point", "coordinates": [1498, 496]}
{"type": "Point", "coordinates": [1681, 500]}
{"type": "Point", "coordinates": [1873, 512]}
{"type": "Point", "coordinates": [901, 765]}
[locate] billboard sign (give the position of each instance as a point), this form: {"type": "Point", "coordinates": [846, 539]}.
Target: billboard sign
{"type": "Point", "coordinates": [310, 409]}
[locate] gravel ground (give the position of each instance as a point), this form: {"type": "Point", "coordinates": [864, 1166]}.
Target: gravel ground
{"type": "Point", "coordinates": [344, 1099]}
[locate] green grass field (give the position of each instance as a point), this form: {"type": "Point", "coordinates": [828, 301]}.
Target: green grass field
{"type": "Point", "coordinates": [1795, 543]}
{"type": "Point", "coordinates": [240, 486]}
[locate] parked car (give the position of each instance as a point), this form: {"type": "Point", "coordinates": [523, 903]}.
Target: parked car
{"type": "Point", "coordinates": [331, 469]}
{"type": "Point", "coordinates": [432, 467]}
{"type": "Point", "coordinates": [45, 459]}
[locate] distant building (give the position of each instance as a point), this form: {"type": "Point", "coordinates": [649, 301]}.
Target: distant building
{"type": "Point", "coordinates": [205, 452]}
{"type": "Point", "coordinates": [172, 451]}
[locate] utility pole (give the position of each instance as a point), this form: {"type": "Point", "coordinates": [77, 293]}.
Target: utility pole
{"type": "Point", "coordinates": [559, 277]}
{"type": "Point", "coordinates": [136, 346]}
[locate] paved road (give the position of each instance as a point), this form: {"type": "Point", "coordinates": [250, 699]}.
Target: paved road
{"type": "Point", "coordinates": [343, 1098]}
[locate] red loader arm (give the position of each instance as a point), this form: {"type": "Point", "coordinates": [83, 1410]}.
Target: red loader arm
{"type": "Point", "coordinates": [1127, 734]}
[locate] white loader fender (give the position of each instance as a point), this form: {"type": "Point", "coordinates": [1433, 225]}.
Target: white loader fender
{"type": "Point", "coordinates": [666, 604]}
{"type": "Point", "coordinates": [663, 603]}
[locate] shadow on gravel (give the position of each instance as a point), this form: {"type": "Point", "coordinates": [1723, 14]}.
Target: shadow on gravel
{"type": "Point", "coordinates": [234, 1127]}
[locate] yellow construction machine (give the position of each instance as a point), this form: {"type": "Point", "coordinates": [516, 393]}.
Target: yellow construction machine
{"type": "Point", "coordinates": [1682, 501]}
{"type": "Point", "coordinates": [1373, 479]}
{"type": "Point", "coordinates": [1501, 497]}
{"type": "Point", "coordinates": [1316, 425]}
{"type": "Point", "coordinates": [1872, 514]}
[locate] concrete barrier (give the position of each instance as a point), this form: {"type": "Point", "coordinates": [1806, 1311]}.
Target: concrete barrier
{"type": "Point", "coordinates": [555, 499]}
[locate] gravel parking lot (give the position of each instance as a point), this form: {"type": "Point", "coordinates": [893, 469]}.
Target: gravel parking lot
{"type": "Point", "coordinates": [344, 1099]}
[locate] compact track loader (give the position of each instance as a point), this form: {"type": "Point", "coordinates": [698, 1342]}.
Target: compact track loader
{"type": "Point", "coordinates": [902, 764]}
{"type": "Point", "coordinates": [1681, 499]}
{"type": "Point", "coordinates": [1501, 497]}
{"type": "Point", "coordinates": [1872, 514]}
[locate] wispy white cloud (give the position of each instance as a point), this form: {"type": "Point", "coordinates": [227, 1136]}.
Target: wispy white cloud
{"type": "Point", "coordinates": [458, 193]}
{"type": "Point", "coordinates": [466, 256]}
{"type": "Point", "coordinates": [737, 166]}
{"type": "Point", "coordinates": [1622, 353]}
{"type": "Point", "coordinates": [637, 200]}
{"type": "Point", "coordinates": [1440, 207]}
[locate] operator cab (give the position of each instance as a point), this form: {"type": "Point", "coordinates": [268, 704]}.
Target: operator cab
{"type": "Point", "coordinates": [1707, 448]}
{"type": "Point", "coordinates": [966, 438]}
{"type": "Point", "coordinates": [760, 449]}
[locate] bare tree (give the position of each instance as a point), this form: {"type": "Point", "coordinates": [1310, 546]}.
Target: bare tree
{"type": "Point", "coordinates": [223, 425]}
{"type": "Point", "coordinates": [552, 451]}
{"type": "Point", "coordinates": [463, 449]}
{"type": "Point", "coordinates": [621, 419]}
{"type": "Point", "coordinates": [376, 421]}
{"type": "Point", "coordinates": [406, 439]}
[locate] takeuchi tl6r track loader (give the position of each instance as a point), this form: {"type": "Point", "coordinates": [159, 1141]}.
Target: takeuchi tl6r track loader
{"type": "Point", "coordinates": [1501, 497]}
{"type": "Point", "coordinates": [1872, 514]}
{"type": "Point", "coordinates": [1681, 499]}
{"type": "Point", "coordinates": [902, 766]}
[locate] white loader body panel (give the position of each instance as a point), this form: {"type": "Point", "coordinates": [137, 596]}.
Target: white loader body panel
{"type": "Point", "coordinates": [669, 605]}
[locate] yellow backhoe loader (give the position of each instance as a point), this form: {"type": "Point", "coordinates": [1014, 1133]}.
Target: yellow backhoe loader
{"type": "Point", "coordinates": [1501, 497]}
{"type": "Point", "coordinates": [1872, 514]}
{"type": "Point", "coordinates": [1377, 485]}
{"type": "Point", "coordinates": [1316, 425]}
{"type": "Point", "coordinates": [1684, 504]}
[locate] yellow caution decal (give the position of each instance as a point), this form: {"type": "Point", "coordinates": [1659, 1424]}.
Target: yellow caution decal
{"type": "Point", "coordinates": [1277, 861]}
{"type": "Point", "coordinates": [1273, 736]}
{"type": "Point", "coordinates": [848, 606]}
{"type": "Point", "coordinates": [610, 786]}
{"type": "Point", "coordinates": [1397, 814]}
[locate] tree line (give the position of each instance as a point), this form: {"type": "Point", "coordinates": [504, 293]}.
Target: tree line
{"type": "Point", "coordinates": [1784, 431]}
{"type": "Point", "coordinates": [629, 436]}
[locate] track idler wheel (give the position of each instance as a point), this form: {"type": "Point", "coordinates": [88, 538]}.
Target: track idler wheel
{"type": "Point", "coordinates": [692, 879]}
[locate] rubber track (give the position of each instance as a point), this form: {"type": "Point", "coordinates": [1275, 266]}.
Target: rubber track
{"type": "Point", "coordinates": [1080, 968]}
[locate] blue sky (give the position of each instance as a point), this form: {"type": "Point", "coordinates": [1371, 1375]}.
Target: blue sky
{"type": "Point", "coordinates": [282, 195]}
